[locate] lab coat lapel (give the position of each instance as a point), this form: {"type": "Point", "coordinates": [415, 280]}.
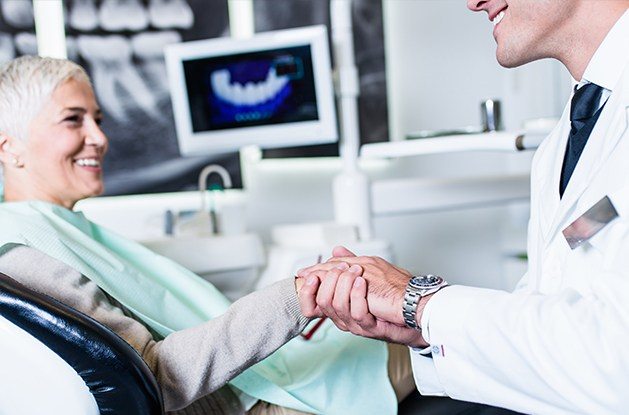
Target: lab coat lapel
{"type": "Point", "coordinates": [548, 172]}
{"type": "Point", "coordinates": [610, 127]}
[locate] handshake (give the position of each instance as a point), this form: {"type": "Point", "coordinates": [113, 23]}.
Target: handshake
{"type": "Point", "coordinates": [362, 295]}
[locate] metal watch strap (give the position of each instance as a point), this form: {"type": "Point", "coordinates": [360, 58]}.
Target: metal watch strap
{"type": "Point", "coordinates": [418, 287]}
{"type": "Point", "coordinates": [409, 309]}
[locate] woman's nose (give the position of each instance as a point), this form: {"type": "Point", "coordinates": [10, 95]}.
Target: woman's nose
{"type": "Point", "coordinates": [95, 136]}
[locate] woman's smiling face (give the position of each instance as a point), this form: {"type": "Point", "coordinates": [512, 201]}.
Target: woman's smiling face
{"type": "Point", "coordinates": [64, 150]}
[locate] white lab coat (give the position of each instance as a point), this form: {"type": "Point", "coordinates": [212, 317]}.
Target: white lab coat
{"type": "Point", "coordinates": [560, 343]}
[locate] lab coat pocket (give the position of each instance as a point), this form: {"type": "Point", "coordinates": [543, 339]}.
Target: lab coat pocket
{"type": "Point", "coordinates": [613, 240]}
{"type": "Point", "coordinates": [606, 254]}
{"type": "Point", "coordinates": [603, 227]}
{"type": "Point", "coordinates": [612, 244]}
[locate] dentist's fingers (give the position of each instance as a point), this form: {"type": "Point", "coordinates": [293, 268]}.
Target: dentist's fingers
{"type": "Point", "coordinates": [325, 266]}
{"type": "Point", "coordinates": [341, 301]}
{"type": "Point", "coordinates": [365, 324]}
{"type": "Point", "coordinates": [360, 308]}
{"type": "Point", "coordinates": [341, 251]}
{"type": "Point", "coordinates": [307, 295]}
{"type": "Point", "coordinates": [331, 264]}
{"type": "Point", "coordinates": [325, 295]}
{"type": "Point", "coordinates": [337, 251]}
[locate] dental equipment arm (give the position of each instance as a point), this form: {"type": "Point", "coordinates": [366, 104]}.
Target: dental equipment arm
{"type": "Point", "coordinates": [492, 141]}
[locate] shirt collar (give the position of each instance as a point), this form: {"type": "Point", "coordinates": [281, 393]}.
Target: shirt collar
{"type": "Point", "coordinates": [611, 57]}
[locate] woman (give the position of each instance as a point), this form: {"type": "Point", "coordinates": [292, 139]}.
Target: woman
{"type": "Point", "coordinates": [52, 149]}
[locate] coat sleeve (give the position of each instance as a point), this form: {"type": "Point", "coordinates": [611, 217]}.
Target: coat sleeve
{"type": "Point", "coordinates": [532, 353]}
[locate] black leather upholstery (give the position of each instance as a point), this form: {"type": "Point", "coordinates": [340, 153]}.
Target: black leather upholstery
{"type": "Point", "coordinates": [119, 379]}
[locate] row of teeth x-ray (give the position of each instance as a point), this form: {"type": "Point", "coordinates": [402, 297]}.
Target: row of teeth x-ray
{"type": "Point", "coordinates": [110, 57]}
{"type": "Point", "coordinates": [110, 15]}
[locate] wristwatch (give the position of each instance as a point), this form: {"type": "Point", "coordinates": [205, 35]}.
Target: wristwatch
{"type": "Point", "coordinates": [418, 287]}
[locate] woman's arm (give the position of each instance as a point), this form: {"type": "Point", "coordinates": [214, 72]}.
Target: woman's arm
{"type": "Point", "coordinates": [190, 363]}
{"type": "Point", "coordinates": [205, 357]}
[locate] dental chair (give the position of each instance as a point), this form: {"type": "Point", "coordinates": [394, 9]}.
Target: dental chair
{"type": "Point", "coordinates": [56, 360]}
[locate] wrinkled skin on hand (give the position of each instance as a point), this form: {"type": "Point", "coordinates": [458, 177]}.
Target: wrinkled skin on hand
{"type": "Point", "coordinates": [363, 295]}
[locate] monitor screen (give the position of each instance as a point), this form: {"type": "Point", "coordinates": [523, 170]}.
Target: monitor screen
{"type": "Point", "coordinates": [272, 90]}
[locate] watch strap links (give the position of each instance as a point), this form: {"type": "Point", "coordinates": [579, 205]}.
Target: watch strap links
{"type": "Point", "coordinates": [409, 309]}
{"type": "Point", "coordinates": [418, 287]}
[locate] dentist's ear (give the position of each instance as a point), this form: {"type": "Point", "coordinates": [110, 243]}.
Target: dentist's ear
{"type": "Point", "coordinates": [10, 151]}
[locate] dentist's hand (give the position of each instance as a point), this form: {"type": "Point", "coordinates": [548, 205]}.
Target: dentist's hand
{"type": "Point", "coordinates": [343, 296]}
{"type": "Point", "coordinates": [386, 283]}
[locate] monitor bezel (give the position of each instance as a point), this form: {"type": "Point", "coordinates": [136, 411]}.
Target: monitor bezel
{"type": "Point", "coordinates": [321, 131]}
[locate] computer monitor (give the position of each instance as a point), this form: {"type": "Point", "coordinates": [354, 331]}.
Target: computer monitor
{"type": "Point", "coordinates": [272, 90]}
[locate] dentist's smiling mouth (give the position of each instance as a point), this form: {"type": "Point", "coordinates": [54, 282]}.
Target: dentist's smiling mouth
{"type": "Point", "coordinates": [496, 20]}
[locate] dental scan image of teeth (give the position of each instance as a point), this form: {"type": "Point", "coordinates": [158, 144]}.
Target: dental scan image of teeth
{"type": "Point", "coordinates": [368, 34]}
{"type": "Point", "coordinates": [251, 89]}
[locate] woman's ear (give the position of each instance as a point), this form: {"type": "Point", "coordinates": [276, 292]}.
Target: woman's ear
{"type": "Point", "coordinates": [11, 151]}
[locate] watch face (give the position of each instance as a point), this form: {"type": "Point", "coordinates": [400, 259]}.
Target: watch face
{"type": "Point", "coordinates": [423, 282]}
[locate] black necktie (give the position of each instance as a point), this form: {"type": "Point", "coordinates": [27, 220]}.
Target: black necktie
{"type": "Point", "coordinates": [584, 112]}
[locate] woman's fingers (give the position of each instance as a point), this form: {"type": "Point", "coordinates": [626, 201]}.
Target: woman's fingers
{"type": "Point", "coordinates": [307, 295]}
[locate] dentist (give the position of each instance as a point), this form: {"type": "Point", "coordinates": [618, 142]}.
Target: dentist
{"type": "Point", "coordinates": [557, 344]}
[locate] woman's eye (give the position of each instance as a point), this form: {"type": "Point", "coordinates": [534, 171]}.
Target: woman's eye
{"type": "Point", "coordinates": [75, 119]}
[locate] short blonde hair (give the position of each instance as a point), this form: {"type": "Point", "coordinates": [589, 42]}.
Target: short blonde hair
{"type": "Point", "coordinates": [26, 84]}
